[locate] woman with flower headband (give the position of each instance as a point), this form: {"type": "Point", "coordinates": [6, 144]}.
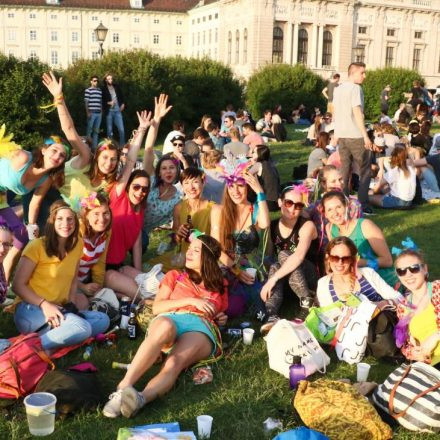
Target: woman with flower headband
{"type": "Point", "coordinates": [236, 225]}
{"type": "Point", "coordinates": [418, 330]}
{"type": "Point", "coordinates": [95, 231]}
{"type": "Point", "coordinates": [368, 237]}
{"type": "Point", "coordinates": [46, 283]}
{"type": "Point", "coordinates": [295, 242]}
{"type": "Point", "coordinates": [189, 306]}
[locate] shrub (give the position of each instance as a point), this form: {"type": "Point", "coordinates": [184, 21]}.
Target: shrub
{"type": "Point", "coordinates": [400, 81]}
{"type": "Point", "coordinates": [286, 85]}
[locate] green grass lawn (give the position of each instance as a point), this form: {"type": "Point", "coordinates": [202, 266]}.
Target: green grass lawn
{"type": "Point", "coordinates": [244, 391]}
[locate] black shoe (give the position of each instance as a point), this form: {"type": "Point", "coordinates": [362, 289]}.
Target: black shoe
{"type": "Point", "coordinates": [267, 326]}
{"type": "Point", "coordinates": [367, 210]}
{"type": "Point", "coordinates": [305, 304]}
{"type": "Point", "coordinates": [260, 315]}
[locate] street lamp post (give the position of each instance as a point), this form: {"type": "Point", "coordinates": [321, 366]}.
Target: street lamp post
{"type": "Point", "coordinates": [101, 33]}
{"type": "Point", "coordinates": [358, 52]}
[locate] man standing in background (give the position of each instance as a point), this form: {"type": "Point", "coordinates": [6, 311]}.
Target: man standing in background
{"type": "Point", "coordinates": [384, 99]}
{"type": "Point", "coordinates": [93, 101]}
{"type": "Point", "coordinates": [329, 91]}
{"type": "Point", "coordinates": [114, 105]}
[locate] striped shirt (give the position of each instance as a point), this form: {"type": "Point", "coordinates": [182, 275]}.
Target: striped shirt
{"type": "Point", "coordinates": [92, 251]}
{"type": "Point", "coordinates": [93, 98]}
{"type": "Point", "coordinates": [366, 289]}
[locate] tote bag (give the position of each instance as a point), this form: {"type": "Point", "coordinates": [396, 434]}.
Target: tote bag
{"type": "Point", "coordinates": [411, 394]}
{"type": "Point", "coordinates": [288, 339]}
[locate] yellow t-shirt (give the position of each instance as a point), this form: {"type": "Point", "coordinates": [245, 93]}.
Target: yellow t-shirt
{"type": "Point", "coordinates": [52, 277]}
{"type": "Point", "coordinates": [422, 326]}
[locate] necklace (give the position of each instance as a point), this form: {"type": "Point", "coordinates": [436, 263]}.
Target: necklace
{"type": "Point", "coordinates": [167, 190]}
{"type": "Point", "coordinates": [342, 285]}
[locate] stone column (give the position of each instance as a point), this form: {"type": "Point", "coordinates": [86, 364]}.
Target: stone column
{"type": "Point", "coordinates": [295, 43]}
{"type": "Point", "coordinates": [288, 44]}
{"type": "Point", "coordinates": [314, 47]}
{"type": "Point", "coordinates": [320, 45]}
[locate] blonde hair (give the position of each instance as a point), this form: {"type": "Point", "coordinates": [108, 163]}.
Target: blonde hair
{"type": "Point", "coordinates": [211, 159]}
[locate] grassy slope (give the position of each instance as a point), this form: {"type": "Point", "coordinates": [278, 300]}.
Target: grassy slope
{"type": "Point", "coordinates": [244, 391]}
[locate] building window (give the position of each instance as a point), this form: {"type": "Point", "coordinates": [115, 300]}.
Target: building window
{"type": "Point", "coordinates": [204, 18]}
{"type": "Point", "coordinates": [179, 22]}
{"type": "Point", "coordinates": [53, 17]}
{"type": "Point", "coordinates": [193, 38]}
{"type": "Point", "coordinates": [156, 21]}
{"type": "Point", "coordinates": [32, 16]}
{"type": "Point", "coordinates": [74, 17]}
{"type": "Point", "coordinates": [389, 56]}
{"type": "Point", "coordinates": [136, 39]}
{"type": "Point", "coordinates": [136, 19]}
{"type": "Point", "coordinates": [33, 55]}
{"type": "Point", "coordinates": [53, 36]}
{"type": "Point", "coordinates": [54, 57]}
{"type": "Point", "coordinates": [193, 21]}
{"type": "Point", "coordinates": [216, 36]}
{"type": "Point", "coordinates": [33, 35]}
{"type": "Point", "coordinates": [303, 43]}
{"type": "Point", "coordinates": [245, 42]}
{"type": "Point", "coordinates": [210, 36]}
{"type": "Point", "coordinates": [156, 39]}
{"type": "Point", "coordinates": [391, 32]}
{"type": "Point", "coordinates": [115, 18]}
{"type": "Point", "coordinates": [237, 46]}
{"type": "Point", "coordinates": [93, 37]}
{"type": "Point", "coordinates": [362, 30]}
{"type": "Point", "coordinates": [12, 35]}
{"type": "Point", "coordinates": [198, 38]}
{"type": "Point", "coordinates": [75, 37]}
{"type": "Point", "coordinates": [204, 37]}
{"type": "Point", "coordinates": [10, 15]}
{"type": "Point", "coordinates": [327, 49]}
{"type": "Point", "coordinates": [179, 40]}
{"type": "Point", "coordinates": [75, 56]}
{"type": "Point", "coordinates": [417, 58]}
{"type": "Point", "coordinates": [229, 47]}
{"type": "Point", "coordinates": [94, 18]}
{"type": "Point", "coordinates": [95, 55]}
{"type": "Point", "coordinates": [216, 16]}
{"type": "Point", "coordinates": [418, 35]}
{"type": "Point", "coordinates": [360, 58]}
{"type": "Point", "coordinates": [115, 37]}
{"type": "Point", "coordinates": [210, 17]}
{"type": "Point", "coordinates": [277, 45]}
{"type": "Point", "coordinates": [198, 21]}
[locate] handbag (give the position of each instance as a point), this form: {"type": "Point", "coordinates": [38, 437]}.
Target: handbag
{"type": "Point", "coordinates": [288, 339]}
{"type": "Point", "coordinates": [381, 342]}
{"type": "Point", "coordinates": [411, 395]}
{"type": "Point", "coordinates": [322, 321]}
{"type": "Point", "coordinates": [149, 282]}
{"type": "Point", "coordinates": [350, 339]}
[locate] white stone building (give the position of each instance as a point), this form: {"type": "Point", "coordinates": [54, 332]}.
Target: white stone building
{"type": "Point", "coordinates": [245, 34]}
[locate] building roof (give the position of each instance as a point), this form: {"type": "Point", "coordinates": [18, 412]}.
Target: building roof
{"type": "Point", "coordinates": [149, 5]}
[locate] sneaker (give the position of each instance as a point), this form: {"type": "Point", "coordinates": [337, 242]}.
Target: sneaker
{"type": "Point", "coordinates": [131, 402]}
{"type": "Point", "coordinates": [112, 408]}
{"type": "Point", "coordinates": [305, 304]}
{"type": "Point", "coordinates": [267, 326]}
{"type": "Point", "coordinates": [260, 315]}
{"type": "Point", "coordinates": [367, 210]}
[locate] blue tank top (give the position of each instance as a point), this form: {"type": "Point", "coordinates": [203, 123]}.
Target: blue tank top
{"type": "Point", "coordinates": [10, 179]}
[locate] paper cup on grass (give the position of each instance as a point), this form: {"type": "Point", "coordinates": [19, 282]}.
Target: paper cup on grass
{"type": "Point", "coordinates": [248, 336]}
{"type": "Point", "coordinates": [252, 272]}
{"type": "Point", "coordinates": [40, 411]}
{"type": "Point", "coordinates": [362, 371]}
{"type": "Point", "coordinates": [204, 425]}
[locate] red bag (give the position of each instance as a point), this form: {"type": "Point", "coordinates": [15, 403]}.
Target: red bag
{"type": "Point", "coordinates": [22, 365]}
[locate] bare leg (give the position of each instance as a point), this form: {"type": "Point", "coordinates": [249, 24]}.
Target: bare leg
{"type": "Point", "coordinates": [81, 301]}
{"type": "Point", "coordinates": [9, 261]}
{"type": "Point", "coordinates": [162, 332]}
{"type": "Point", "coordinates": [122, 282]}
{"type": "Point", "coordinates": [190, 348]}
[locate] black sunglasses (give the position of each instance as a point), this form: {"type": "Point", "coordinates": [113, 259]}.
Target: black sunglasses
{"type": "Point", "coordinates": [415, 268]}
{"type": "Point", "coordinates": [289, 203]}
{"type": "Point", "coordinates": [137, 187]}
{"type": "Point", "coordinates": [177, 144]}
{"type": "Point", "coordinates": [337, 259]}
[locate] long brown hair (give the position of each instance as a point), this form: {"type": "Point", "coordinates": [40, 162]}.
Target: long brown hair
{"type": "Point", "coordinates": [351, 247]}
{"type": "Point", "coordinates": [210, 272]}
{"type": "Point", "coordinates": [134, 175]}
{"type": "Point", "coordinates": [103, 200]}
{"type": "Point", "coordinates": [93, 173]}
{"type": "Point", "coordinates": [399, 157]}
{"type": "Point", "coordinates": [50, 235]}
{"type": "Point", "coordinates": [56, 174]}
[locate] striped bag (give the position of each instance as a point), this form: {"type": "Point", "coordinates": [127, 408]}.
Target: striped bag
{"type": "Point", "coordinates": [411, 394]}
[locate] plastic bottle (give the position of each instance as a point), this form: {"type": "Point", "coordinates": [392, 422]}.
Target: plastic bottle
{"type": "Point", "coordinates": [87, 352]}
{"type": "Point", "coordinates": [297, 372]}
{"type": "Point", "coordinates": [120, 365]}
{"type": "Point", "coordinates": [132, 324]}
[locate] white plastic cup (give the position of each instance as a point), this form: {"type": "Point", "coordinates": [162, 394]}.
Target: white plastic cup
{"type": "Point", "coordinates": [204, 425]}
{"type": "Point", "coordinates": [362, 371]}
{"type": "Point", "coordinates": [40, 411]}
{"type": "Point", "coordinates": [252, 272]}
{"type": "Point", "coordinates": [248, 336]}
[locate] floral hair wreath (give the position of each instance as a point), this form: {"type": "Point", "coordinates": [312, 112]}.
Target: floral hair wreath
{"type": "Point", "coordinates": [90, 202]}
{"type": "Point", "coordinates": [233, 172]}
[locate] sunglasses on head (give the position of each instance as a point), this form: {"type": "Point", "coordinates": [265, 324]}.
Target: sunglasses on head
{"type": "Point", "coordinates": [137, 187]}
{"type": "Point", "coordinates": [415, 268]}
{"type": "Point", "coordinates": [177, 144]}
{"type": "Point", "coordinates": [289, 203]}
{"type": "Point", "coordinates": [337, 259]}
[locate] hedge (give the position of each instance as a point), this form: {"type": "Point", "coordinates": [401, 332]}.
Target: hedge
{"type": "Point", "coordinates": [286, 85]}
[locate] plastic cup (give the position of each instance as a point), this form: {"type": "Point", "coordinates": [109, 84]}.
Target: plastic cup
{"type": "Point", "coordinates": [248, 336]}
{"type": "Point", "coordinates": [252, 272]}
{"type": "Point", "coordinates": [204, 425]}
{"type": "Point", "coordinates": [362, 371]}
{"type": "Point", "coordinates": [40, 411]}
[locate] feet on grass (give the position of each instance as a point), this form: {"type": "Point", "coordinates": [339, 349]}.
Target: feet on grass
{"type": "Point", "coordinates": [131, 402]}
{"type": "Point", "coordinates": [112, 408]}
{"type": "Point", "coordinates": [305, 304]}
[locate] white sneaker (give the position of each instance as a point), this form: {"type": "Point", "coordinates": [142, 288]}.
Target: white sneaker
{"type": "Point", "coordinates": [112, 408]}
{"type": "Point", "coordinates": [131, 402]}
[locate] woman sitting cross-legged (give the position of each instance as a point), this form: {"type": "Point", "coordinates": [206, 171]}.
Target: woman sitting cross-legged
{"type": "Point", "coordinates": [46, 281]}
{"type": "Point", "coordinates": [189, 305]}
{"type": "Point", "coordinates": [295, 240]}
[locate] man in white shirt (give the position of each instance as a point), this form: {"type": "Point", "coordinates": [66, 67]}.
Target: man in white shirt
{"type": "Point", "coordinates": [350, 133]}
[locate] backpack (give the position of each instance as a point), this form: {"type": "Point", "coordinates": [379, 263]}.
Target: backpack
{"type": "Point", "coordinates": [380, 341]}
{"type": "Point", "coordinates": [22, 365]}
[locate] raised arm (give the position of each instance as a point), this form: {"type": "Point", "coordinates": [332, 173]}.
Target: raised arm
{"type": "Point", "coordinates": [377, 241]}
{"type": "Point", "coordinates": [263, 219]}
{"type": "Point", "coordinates": [34, 207]}
{"type": "Point", "coordinates": [55, 87]}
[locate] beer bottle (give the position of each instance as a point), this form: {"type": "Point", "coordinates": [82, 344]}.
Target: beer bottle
{"type": "Point", "coordinates": [132, 324]}
{"type": "Point", "coordinates": [190, 227]}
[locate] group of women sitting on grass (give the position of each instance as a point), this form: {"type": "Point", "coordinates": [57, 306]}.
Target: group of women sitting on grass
{"type": "Point", "coordinates": [322, 252]}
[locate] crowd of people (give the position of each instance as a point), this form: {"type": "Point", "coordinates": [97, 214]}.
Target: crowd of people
{"type": "Point", "coordinates": [98, 206]}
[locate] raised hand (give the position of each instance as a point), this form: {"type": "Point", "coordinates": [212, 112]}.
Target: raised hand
{"type": "Point", "coordinates": [144, 118]}
{"type": "Point", "coordinates": [54, 86]}
{"type": "Point", "coordinates": [160, 106]}
{"type": "Point", "coordinates": [252, 181]}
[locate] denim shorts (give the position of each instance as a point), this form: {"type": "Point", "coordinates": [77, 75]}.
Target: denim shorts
{"type": "Point", "coordinates": [390, 201]}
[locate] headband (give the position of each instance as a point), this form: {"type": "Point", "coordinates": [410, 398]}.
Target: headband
{"type": "Point", "coordinates": [51, 140]}
{"type": "Point", "coordinates": [302, 190]}
{"type": "Point", "coordinates": [408, 244]}
{"type": "Point", "coordinates": [236, 176]}
{"type": "Point", "coordinates": [104, 145]}
{"type": "Point", "coordinates": [196, 234]}
{"type": "Point", "coordinates": [90, 202]}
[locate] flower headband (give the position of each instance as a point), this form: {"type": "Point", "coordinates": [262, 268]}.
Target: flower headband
{"type": "Point", "coordinates": [237, 175]}
{"type": "Point", "coordinates": [104, 145]}
{"type": "Point", "coordinates": [301, 189]}
{"type": "Point", "coordinates": [90, 202]}
{"type": "Point", "coordinates": [408, 244]}
{"type": "Point", "coordinates": [51, 140]}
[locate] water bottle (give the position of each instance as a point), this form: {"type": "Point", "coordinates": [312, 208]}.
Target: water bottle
{"type": "Point", "coordinates": [297, 372]}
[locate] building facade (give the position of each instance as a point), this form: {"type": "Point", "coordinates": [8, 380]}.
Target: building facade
{"type": "Point", "coordinates": [325, 35]}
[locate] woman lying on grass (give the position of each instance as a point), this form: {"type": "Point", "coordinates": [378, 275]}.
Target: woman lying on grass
{"type": "Point", "coordinates": [189, 305]}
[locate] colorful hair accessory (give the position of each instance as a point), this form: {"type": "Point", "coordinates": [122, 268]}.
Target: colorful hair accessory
{"type": "Point", "coordinates": [195, 234]}
{"type": "Point", "coordinates": [236, 176]}
{"type": "Point", "coordinates": [90, 202]}
{"type": "Point", "coordinates": [301, 189]}
{"type": "Point", "coordinates": [7, 146]}
{"type": "Point", "coordinates": [401, 332]}
{"type": "Point", "coordinates": [408, 244]}
{"type": "Point", "coordinates": [104, 145]}
{"type": "Point", "coordinates": [51, 140]}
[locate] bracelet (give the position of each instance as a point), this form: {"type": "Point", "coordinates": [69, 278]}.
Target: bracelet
{"type": "Point", "coordinates": [261, 197]}
{"type": "Point", "coordinates": [235, 270]}
{"type": "Point", "coordinates": [41, 302]}
{"type": "Point", "coordinates": [58, 99]}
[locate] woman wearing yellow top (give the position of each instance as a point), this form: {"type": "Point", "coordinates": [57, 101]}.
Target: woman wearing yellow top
{"type": "Point", "coordinates": [418, 330]}
{"type": "Point", "coordinates": [46, 280]}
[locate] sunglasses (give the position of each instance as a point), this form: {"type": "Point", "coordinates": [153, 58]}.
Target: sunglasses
{"type": "Point", "coordinates": [123, 154]}
{"type": "Point", "coordinates": [177, 144]}
{"type": "Point", "coordinates": [6, 244]}
{"type": "Point", "coordinates": [137, 187]}
{"type": "Point", "coordinates": [415, 268]}
{"type": "Point", "coordinates": [94, 80]}
{"type": "Point", "coordinates": [289, 203]}
{"type": "Point", "coordinates": [337, 259]}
